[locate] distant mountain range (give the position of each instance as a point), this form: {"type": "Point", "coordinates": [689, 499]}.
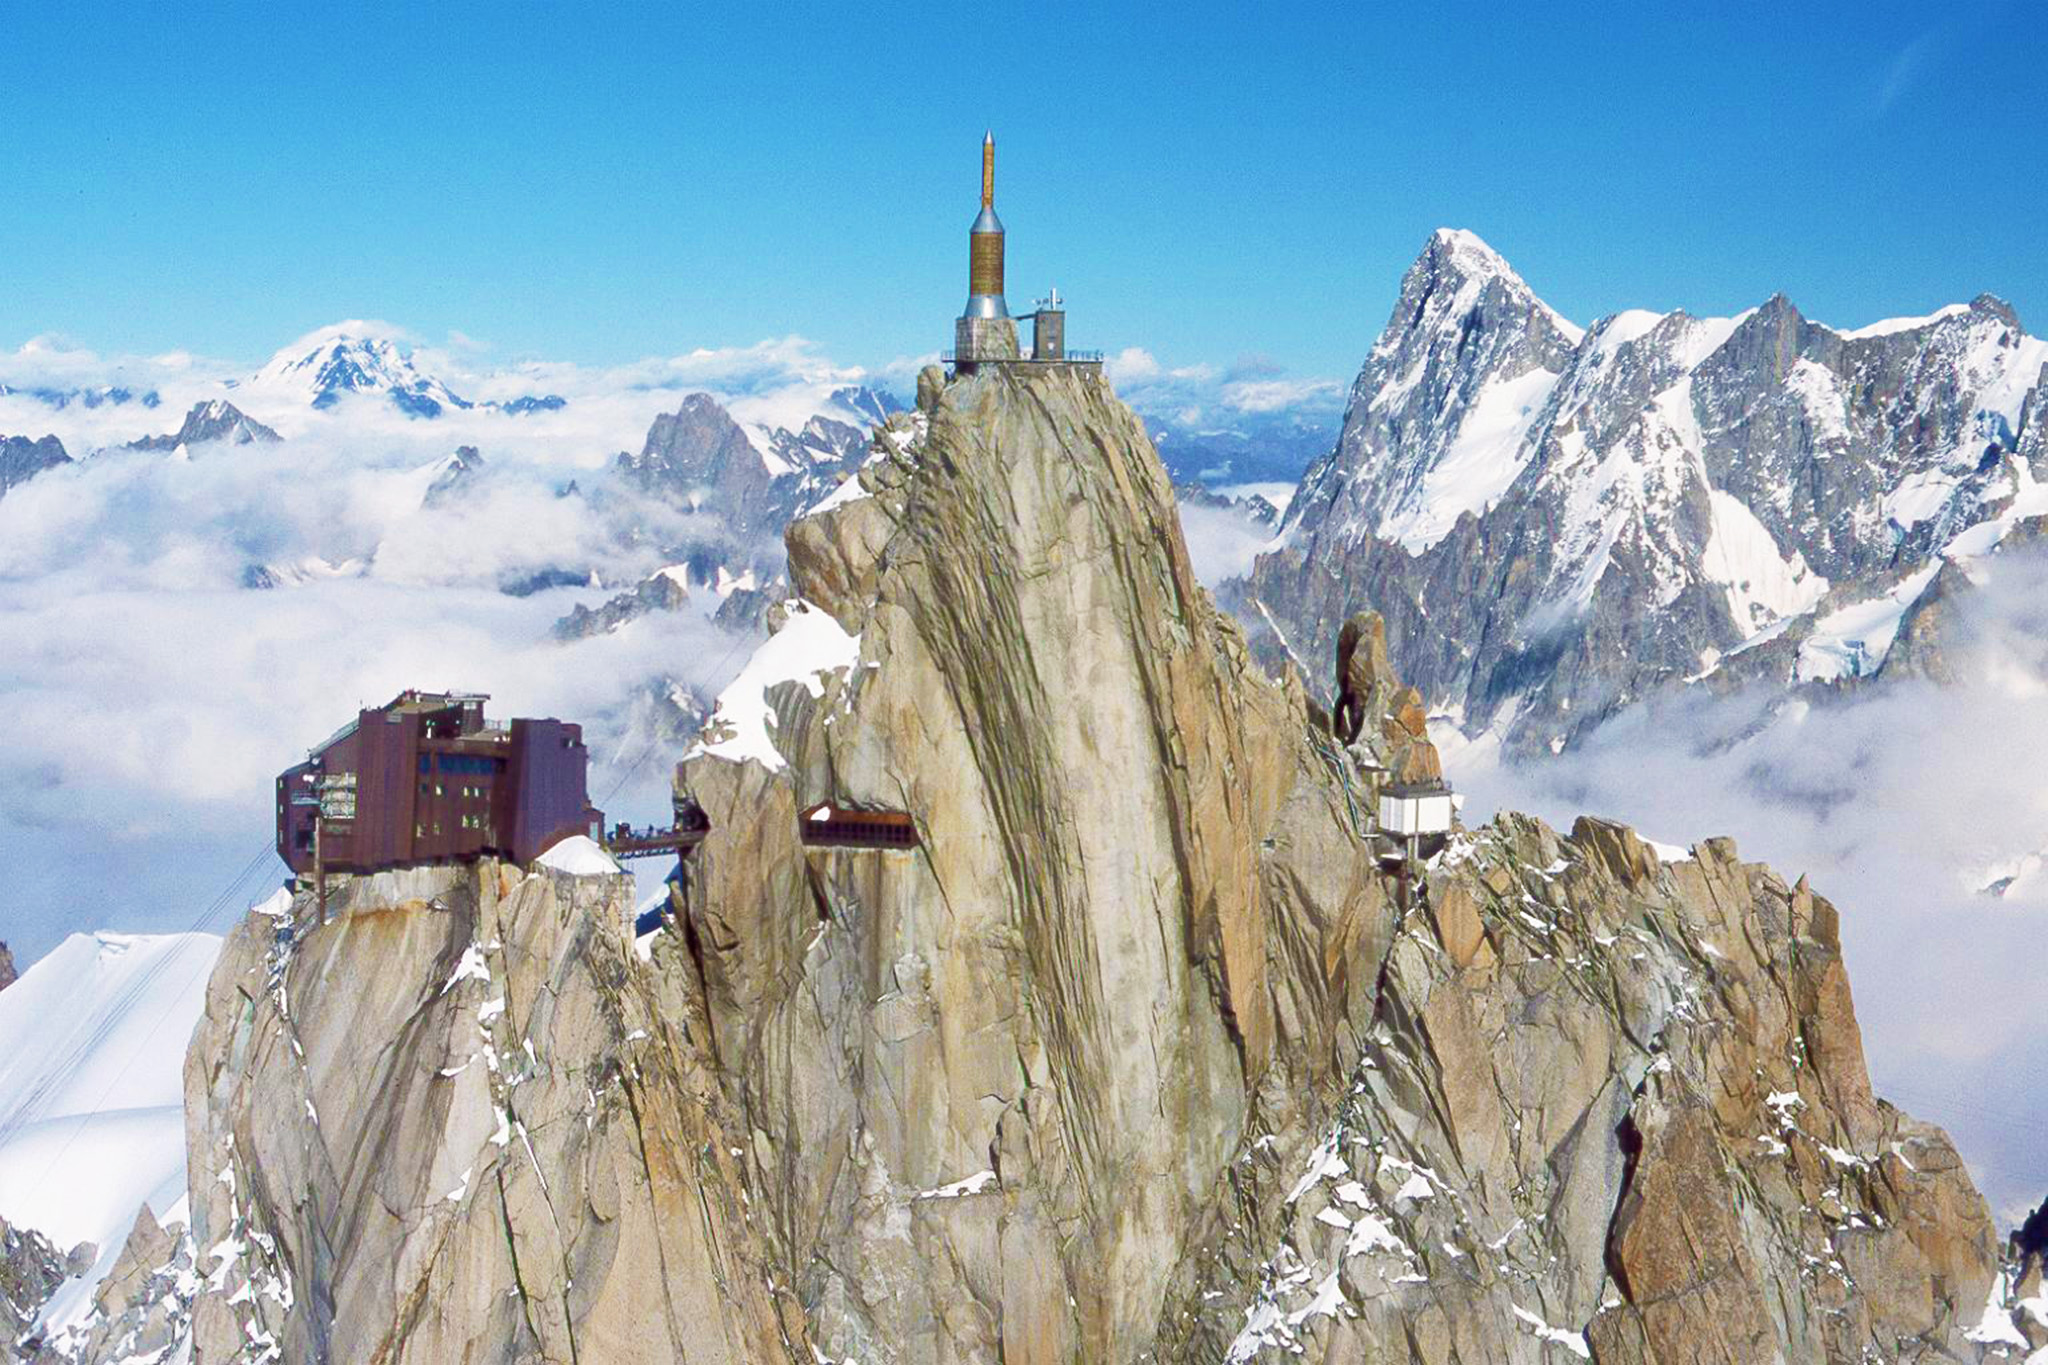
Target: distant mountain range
{"type": "Point", "coordinates": [100, 396]}
{"type": "Point", "coordinates": [1220, 450]}
{"type": "Point", "coordinates": [1557, 521]}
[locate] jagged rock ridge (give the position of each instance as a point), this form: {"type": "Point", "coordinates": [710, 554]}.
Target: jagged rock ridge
{"type": "Point", "coordinates": [91, 396]}
{"type": "Point", "coordinates": [21, 459]}
{"type": "Point", "coordinates": [665, 591]}
{"type": "Point", "coordinates": [1556, 523]}
{"type": "Point", "coordinates": [1139, 1056]}
{"type": "Point", "coordinates": [30, 1271]}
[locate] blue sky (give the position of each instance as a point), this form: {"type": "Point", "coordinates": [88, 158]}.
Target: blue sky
{"type": "Point", "coordinates": [1205, 182]}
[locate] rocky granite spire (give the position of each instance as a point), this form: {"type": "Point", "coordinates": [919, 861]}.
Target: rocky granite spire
{"type": "Point", "coordinates": [1135, 1057]}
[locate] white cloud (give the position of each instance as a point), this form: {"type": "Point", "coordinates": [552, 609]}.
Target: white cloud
{"type": "Point", "coordinates": [1132, 365]}
{"type": "Point", "coordinates": [1221, 542]}
{"type": "Point", "coordinates": [1204, 394]}
{"type": "Point", "coordinates": [1905, 69]}
{"type": "Point", "coordinates": [1271, 395]}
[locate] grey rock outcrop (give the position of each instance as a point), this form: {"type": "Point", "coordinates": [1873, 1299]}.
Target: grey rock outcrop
{"type": "Point", "coordinates": [1251, 506]}
{"type": "Point", "coordinates": [211, 421]}
{"type": "Point", "coordinates": [30, 1271]}
{"type": "Point", "coordinates": [22, 459]}
{"type": "Point", "coordinates": [1613, 1102]}
{"type": "Point", "coordinates": [7, 973]}
{"type": "Point", "coordinates": [663, 591]}
{"type": "Point", "coordinates": [756, 478]}
{"type": "Point", "coordinates": [456, 477]}
{"type": "Point", "coordinates": [1141, 1054]}
{"type": "Point", "coordinates": [1039, 1035]}
{"type": "Point", "coordinates": [1556, 524]}
{"type": "Point", "coordinates": [142, 1310]}
{"type": "Point", "coordinates": [698, 451]}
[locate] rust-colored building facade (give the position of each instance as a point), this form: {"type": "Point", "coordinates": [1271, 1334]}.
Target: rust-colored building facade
{"type": "Point", "coordinates": [426, 779]}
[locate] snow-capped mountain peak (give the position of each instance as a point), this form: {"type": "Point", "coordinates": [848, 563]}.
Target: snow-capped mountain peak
{"type": "Point", "coordinates": [1891, 325]}
{"type": "Point", "coordinates": [323, 367]}
{"type": "Point", "coordinates": [1469, 252]}
{"type": "Point", "coordinates": [1462, 371]}
{"type": "Point", "coordinates": [1464, 261]}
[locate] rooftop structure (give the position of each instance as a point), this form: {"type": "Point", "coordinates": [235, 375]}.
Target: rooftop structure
{"type": "Point", "coordinates": [985, 333]}
{"type": "Point", "coordinates": [426, 779]}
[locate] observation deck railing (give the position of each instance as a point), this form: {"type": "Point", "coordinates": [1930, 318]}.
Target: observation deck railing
{"type": "Point", "coordinates": [1070, 357]}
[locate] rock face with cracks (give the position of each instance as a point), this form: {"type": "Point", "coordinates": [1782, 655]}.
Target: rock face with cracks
{"type": "Point", "coordinates": [1140, 1055]}
{"type": "Point", "coordinates": [454, 1123]}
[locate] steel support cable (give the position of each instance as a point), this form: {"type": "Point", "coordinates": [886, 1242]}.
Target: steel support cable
{"type": "Point", "coordinates": [117, 1009]}
{"type": "Point", "coordinates": [654, 742]}
{"type": "Point", "coordinates": [125, 998]}
{"type": "Point", "coordinates": [122, 1002]}
{"type": "Point", "coordinates": [1935, 1101]}
{"type": "Point", "coordinates": [1335, 762]}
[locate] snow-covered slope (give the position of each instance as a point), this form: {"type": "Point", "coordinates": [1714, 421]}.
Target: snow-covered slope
{"type": "Point", "coordinates": [1558, 522]}
{"type": "Point", "coordinates": [92, 1057]}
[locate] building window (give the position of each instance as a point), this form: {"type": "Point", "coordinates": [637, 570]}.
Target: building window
{"type": "Point", "coordinates": [423, 763]}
